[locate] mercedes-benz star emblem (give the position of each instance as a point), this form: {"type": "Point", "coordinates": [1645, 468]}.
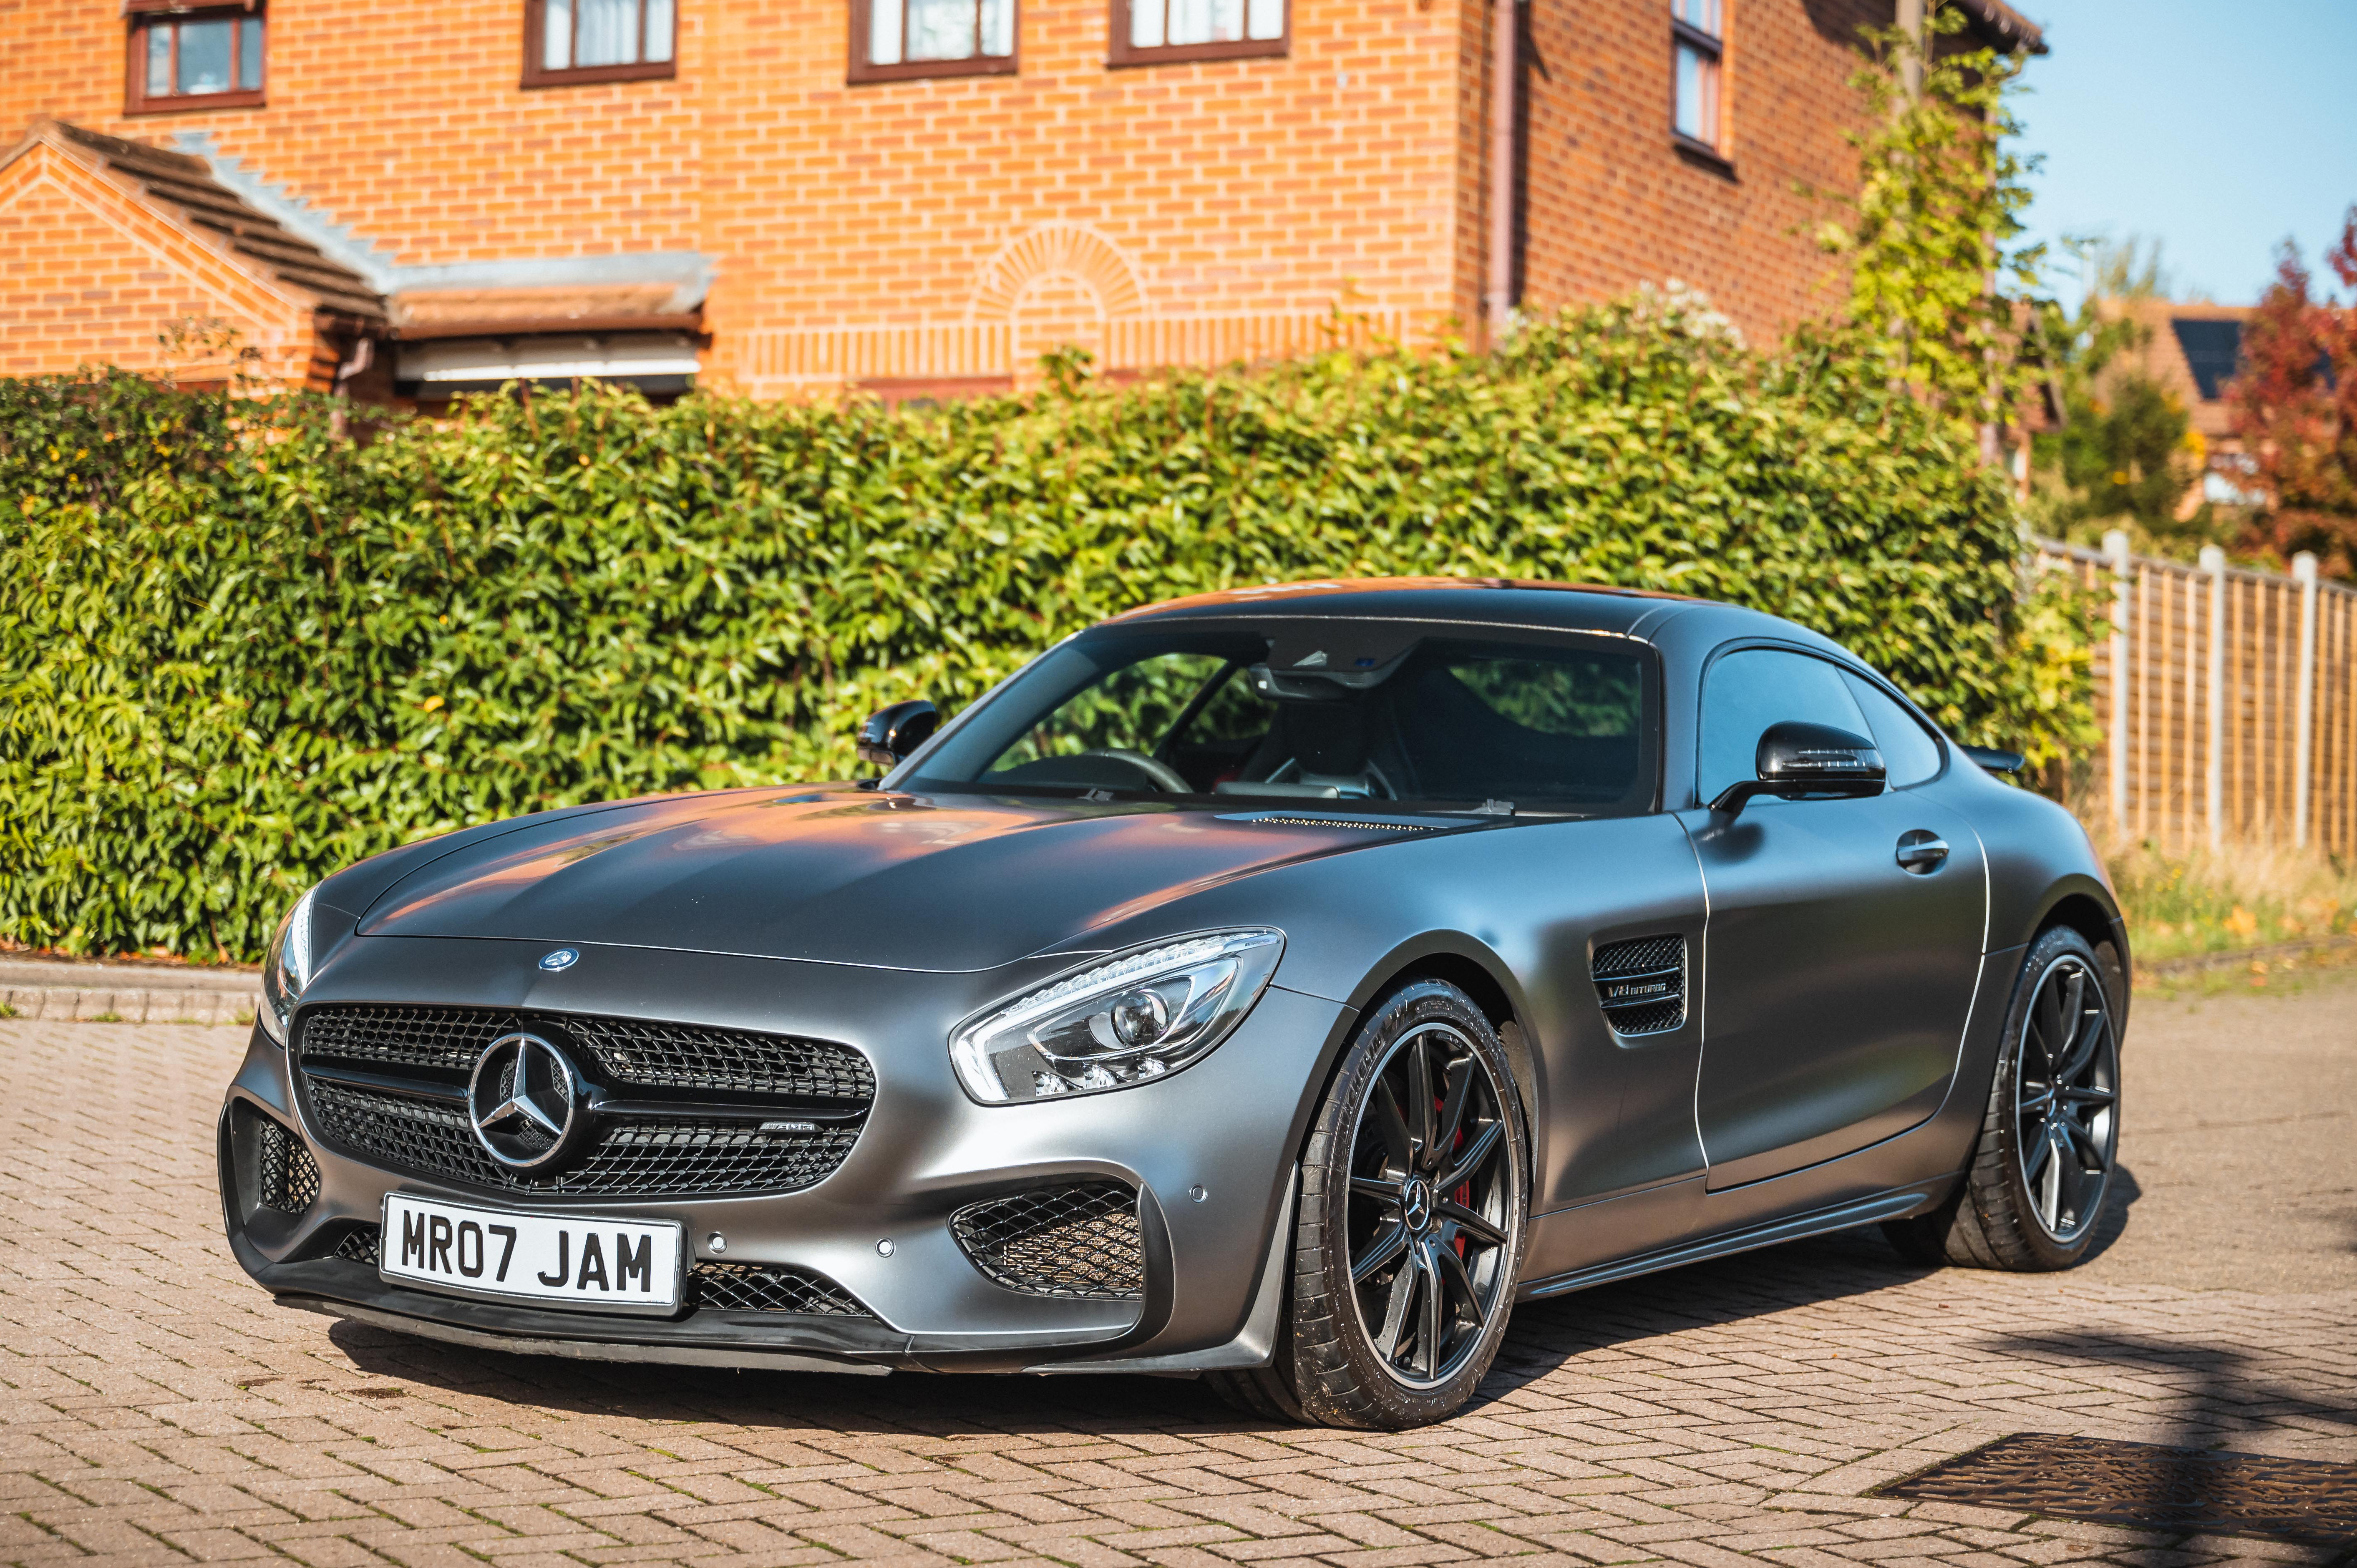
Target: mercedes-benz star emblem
{"type": "Point", "coordinates": [525, 1102]}
{"type": "Point", "coordinates": [563, 957]}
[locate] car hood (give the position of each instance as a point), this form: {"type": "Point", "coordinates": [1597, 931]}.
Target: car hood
{"type": "Point", "coordinates": [846, 877]}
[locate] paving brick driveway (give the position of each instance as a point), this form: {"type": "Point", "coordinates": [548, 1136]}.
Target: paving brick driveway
{"type": "Point", "coordinates": [156, 1408]}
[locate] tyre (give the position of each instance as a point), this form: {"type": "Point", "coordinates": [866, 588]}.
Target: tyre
{"type": "Point", "coordinates": [2041, 1171]}
{"type": "Point", "coordinates": [1414, 1194]}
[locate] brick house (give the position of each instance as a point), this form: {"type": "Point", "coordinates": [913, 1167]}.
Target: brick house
{"type": "Point", "coordinates": [910, 194]}
{"type": "Point", "coordinates": [2191, 349]}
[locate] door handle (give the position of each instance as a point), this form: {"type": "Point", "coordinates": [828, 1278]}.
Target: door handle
{"type": "Point", "coordinates": [1922, 852]}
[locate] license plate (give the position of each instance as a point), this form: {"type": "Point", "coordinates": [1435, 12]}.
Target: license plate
{"type": "Point", "coordinates": [561, 1260]}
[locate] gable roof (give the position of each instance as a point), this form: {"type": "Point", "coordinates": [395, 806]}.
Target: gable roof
{"type": "Point", "coordinates": [2191, 349]}
{"type": "Point", "coordinates": [2003, 26]}
{"type": "Point", "coordinates": [185, 188]}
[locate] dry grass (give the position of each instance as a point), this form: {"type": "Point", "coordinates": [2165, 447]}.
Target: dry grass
{"type": "Point", "coordinates": [2185, 901]}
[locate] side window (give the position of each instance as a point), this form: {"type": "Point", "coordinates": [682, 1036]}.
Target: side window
{"type": "Point", "coordinates": [1698, 45]}
{"type": "Point", "coordinates": [1152, 32]}
{"type": "Point", "coordinates": [585, 41]}
{"type": "Point", "coordinates": [1908, 749]}
{"type": "Point", "coordinates": [194, 57]}
{"type": "Point", "coordinates": [895, 39]}
{"type": "Point", "coordinates": [1752, 688]}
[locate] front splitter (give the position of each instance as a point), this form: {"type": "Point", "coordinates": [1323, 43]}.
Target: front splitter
{"type": "Point", "coordinates": [736, 1357]}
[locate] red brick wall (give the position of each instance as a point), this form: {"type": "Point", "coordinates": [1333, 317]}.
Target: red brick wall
{"type": "Point", "coordinates": [1610, 200]}
{"type": "Point", "coordinates": [88, 276]}
{"type": "Point", "coordinates": [946, 228]}
{"type": "Point", "coordinates": [912, 228]}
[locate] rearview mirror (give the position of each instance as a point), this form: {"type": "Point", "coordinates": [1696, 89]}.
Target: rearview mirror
{"type": "Point", "coordinates": [1797, 761]}
{"type": "Point", "coordinates": [891, 734]}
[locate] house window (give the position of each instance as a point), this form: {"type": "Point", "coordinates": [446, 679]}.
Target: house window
{"type": "Point", "coordinates": [569, 41]}
{"type": "Point", "coordinates": [195, 59]}
{"type": "Point", "coordinates": [1698, 32]}
{"type": "Point", "coordinates": [893, 39]}
{"type": "Point", "coordinates": [1152, 32]}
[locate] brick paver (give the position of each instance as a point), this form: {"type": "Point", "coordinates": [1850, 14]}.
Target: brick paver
{"type": "Point", "coordinates": [155, 1407]}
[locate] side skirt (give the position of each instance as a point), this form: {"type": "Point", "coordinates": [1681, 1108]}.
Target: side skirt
{"type": "Point", "coordinates": [1799, 1226]}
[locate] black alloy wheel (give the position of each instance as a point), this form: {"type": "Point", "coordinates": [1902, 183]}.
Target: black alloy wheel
{"type": "Point", "coordinates": [1429, 1206]}
{"type": "Point", "coordinates": [2066, 1099]}
{"type": "Point", "coordinates": [2041, 1173]}
{"type": "Point", "coordinates": [1409, 1238]}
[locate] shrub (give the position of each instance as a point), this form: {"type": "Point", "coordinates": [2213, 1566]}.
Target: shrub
{"type": "Point", "coordinates": [238, 649]}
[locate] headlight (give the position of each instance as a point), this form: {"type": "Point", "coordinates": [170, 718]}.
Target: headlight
{"type": "Point", "coordinates": [287, 970]}
{"type": "Point", "coordinates": [1140, 1017]}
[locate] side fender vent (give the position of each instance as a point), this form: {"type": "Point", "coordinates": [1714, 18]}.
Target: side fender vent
{"type": "Point", "coordinates": [1642, 984]}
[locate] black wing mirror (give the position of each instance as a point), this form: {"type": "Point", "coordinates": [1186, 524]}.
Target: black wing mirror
{"type": "Point", "coordinates": [891, 734]}
{"type": "Point", "coordinates": [1798, 759]}
{"type": "Point", "coordinates": [1995, 759]}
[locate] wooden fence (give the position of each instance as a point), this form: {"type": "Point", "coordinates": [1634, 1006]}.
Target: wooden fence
{"type": "Point", "coordinates": [2228, 700]}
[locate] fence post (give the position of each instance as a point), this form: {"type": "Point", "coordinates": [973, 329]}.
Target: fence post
{"type": "Point", "coordinates": [2303, 572]}
{"type": "Point", "coordinates": [2121, 736]}
{"type": "Point", "coordinates": [2213, 562]}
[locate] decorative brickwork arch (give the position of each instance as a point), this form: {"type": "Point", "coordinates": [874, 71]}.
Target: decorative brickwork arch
{"type": "Point", "coordinates": [1053, 251]}
{"type": "Point", "coordinates": [1055, 287]}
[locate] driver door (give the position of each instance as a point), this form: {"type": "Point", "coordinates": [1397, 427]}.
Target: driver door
{"type": "Point", "coordinates": [1835, 983]}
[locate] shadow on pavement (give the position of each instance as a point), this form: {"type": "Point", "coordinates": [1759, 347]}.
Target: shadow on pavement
{"type": "Point", "coordinates": [2223, 1399]}
{"type": "Point", "coordinates": [1544, 1336]}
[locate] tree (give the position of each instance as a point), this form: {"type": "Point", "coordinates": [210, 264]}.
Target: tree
{"type": "Point", "coordinates": [1930, 233]}
{"type": "Point", "coordinates": [2123, 450]}
{"type": "Point", "coordinates": [2295, 405]}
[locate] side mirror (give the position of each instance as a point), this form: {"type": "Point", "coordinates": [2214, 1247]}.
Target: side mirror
{"type": "Point", "coordinates": [1994, 760]}
{"type": "Point", "coordinates": [1798, 759]}
{"type": "Point", "coordinates": [891, 734]}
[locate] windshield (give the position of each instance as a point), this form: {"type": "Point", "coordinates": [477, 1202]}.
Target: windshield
{"type": "Point", "coordinates": [1440, 716]}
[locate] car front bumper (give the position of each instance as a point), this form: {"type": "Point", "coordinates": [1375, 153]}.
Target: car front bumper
{"type": "Point", "coordinates": [1209, 1150]}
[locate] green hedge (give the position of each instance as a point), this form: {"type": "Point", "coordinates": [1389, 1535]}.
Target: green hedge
{"type": "Point", "coordinates": [238, 649]}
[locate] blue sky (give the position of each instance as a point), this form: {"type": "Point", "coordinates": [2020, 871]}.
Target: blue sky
{"type": "Point", "coordinates": [2217, 128]}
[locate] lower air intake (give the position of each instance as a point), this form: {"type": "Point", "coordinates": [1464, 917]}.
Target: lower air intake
{"type": "Point", "coordinates": [1079, 1241]}
{"type": "Point", "coordinates": [286, 1177]}
{"type": "Point", "coordinates": [748, 1287]}
{"type": "Point", "coordinates": [359, 1245]}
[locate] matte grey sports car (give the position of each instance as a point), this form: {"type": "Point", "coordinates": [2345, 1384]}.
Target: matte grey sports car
{"type": "Point", "coordinates": [1275, 985]}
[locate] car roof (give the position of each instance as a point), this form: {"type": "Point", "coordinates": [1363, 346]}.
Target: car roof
{"type": "Point", "coordinates": [1640, 613]}
{"type": "Point", "coordinates": [1573, 607]}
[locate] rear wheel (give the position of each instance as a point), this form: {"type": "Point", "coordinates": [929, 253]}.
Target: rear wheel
{"type": "Point", "coordinates": [2041, 1174]}
{"type": "Point", "coordinates": [1410, 1231]}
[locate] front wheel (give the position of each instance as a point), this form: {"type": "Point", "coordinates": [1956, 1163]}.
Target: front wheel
{"type": "Point", "coordinates": [1414, 1199]}
{"type": "Point", "coordinates": [2041, 1174]}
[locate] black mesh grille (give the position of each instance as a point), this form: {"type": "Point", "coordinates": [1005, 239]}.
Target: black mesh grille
{"type": "Point", "coordinates": [686, 1158]}
{"type": "Point", "coordinates": [1637, 957]}
{"type": "Point", "coordinates": [750, 1287]}
{"type": "Point", "coordinates": [285, 1176]}
{"type": "Point", "coordinates": [1642, 984]}
{"type": "Point", "coordinates": [359, 1245]}
{"type": "Point", "coordinates": [718, 1062]}
{"type": "Point", "coordinates": [642, 1151]}
{"type": "Point", "coordinates": [1649, 1020]}
{"type": "Point", "coordinates": [446, 1040]}
{"type": "Point", "coordinates": [1077, 1240]}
